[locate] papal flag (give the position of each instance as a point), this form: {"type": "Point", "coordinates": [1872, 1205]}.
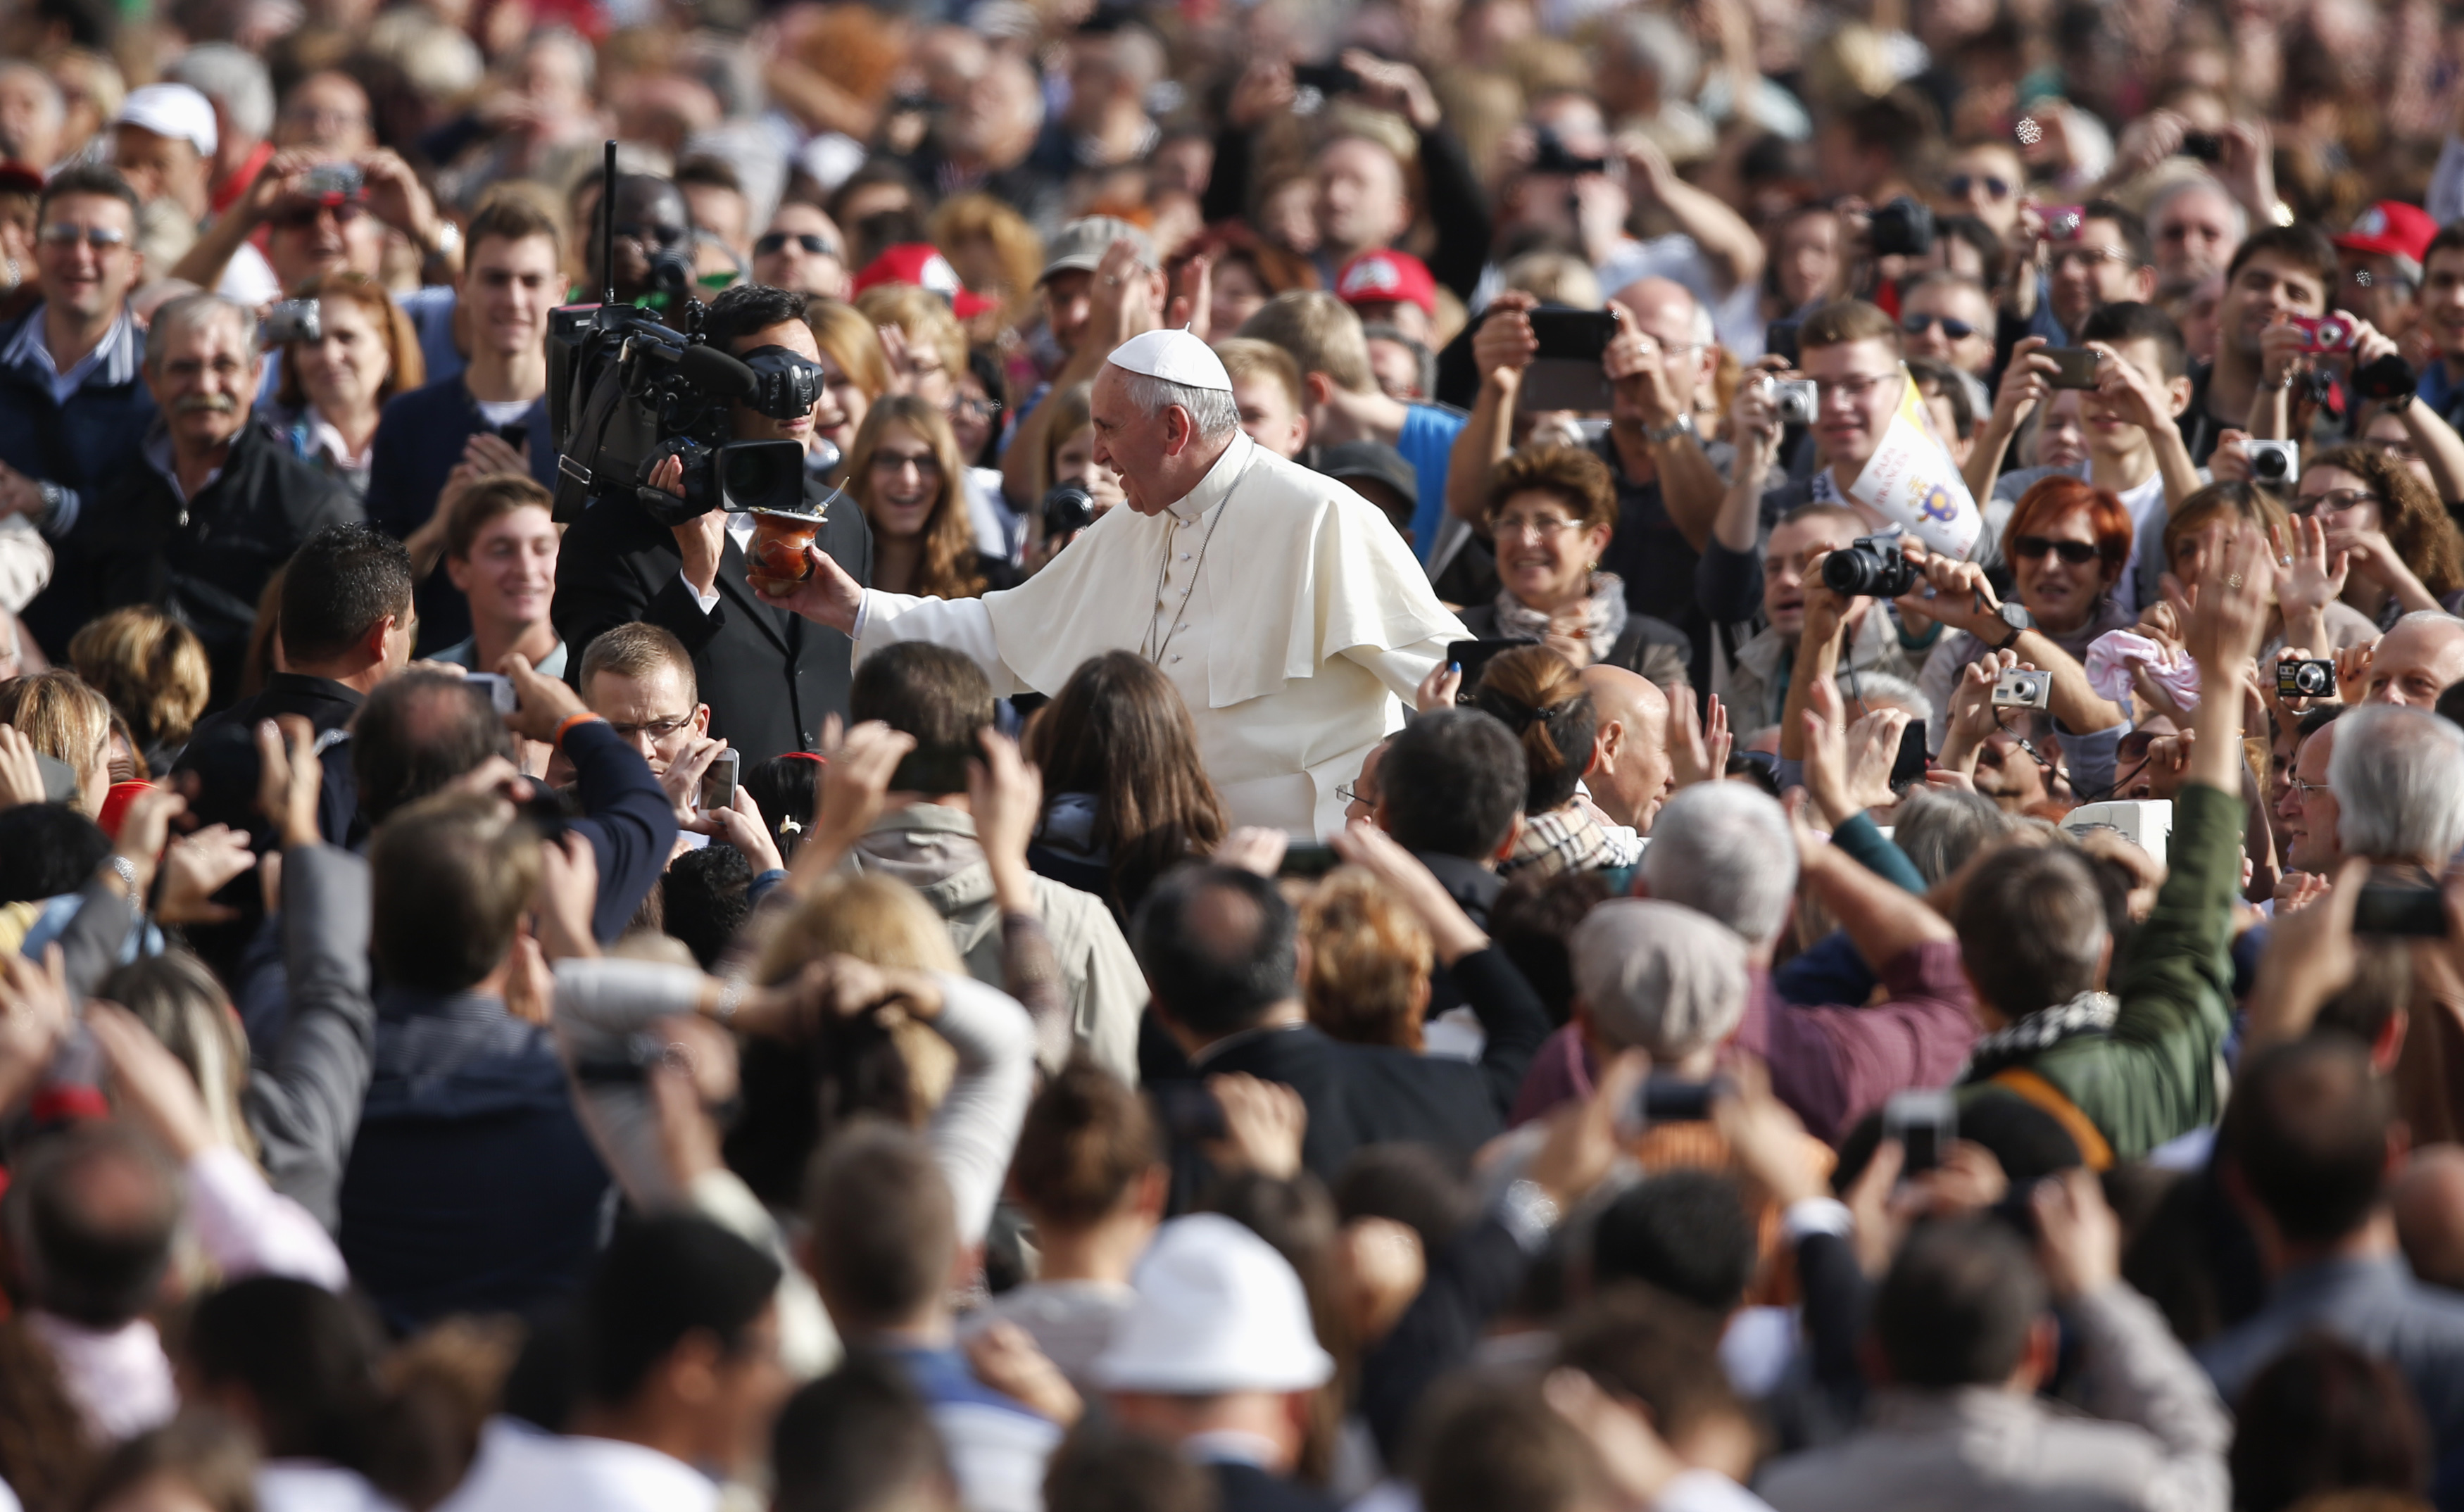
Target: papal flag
{"type": "Point", "coordinates": [1912, 480]}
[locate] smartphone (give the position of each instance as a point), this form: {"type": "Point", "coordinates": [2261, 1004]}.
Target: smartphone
{"type": "Point", "coordinates": [1909, 765]}
{"type": "Point", "coordinates": [1672, 1100]}
{"type": "Point", "coordinates": [1474, 657]}
{"type": "Point", "coordinates": [719, 781]}
{"type": "Point", "coordinates": [1925, 1122]}
{"type": "Point", "coordinates": [2203, 146]}
{"type": "Point", "coordinates": [2074, 367]}
{"type": "Point", "coordinates": [499, 688]}
{"type": "Point", "coordinates": [932, 771]}
{"type": "Point", "coordinates": [2398, 908]}
{"type": "Point", "coordinates": [1779, 340]}
{"type": "Point", "coordinates": [1567, 373]}
{"type": "Point", "coordinates": [1308, 860]}
{"type": "Point", "coordinates": [1326, 78]}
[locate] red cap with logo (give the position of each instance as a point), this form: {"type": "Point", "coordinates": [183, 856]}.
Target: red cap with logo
{"type": "Point", "coordinates": [1387, 277]}
{"type": "Point", "coordinates": [922, 263]}
{"type": "Point", "coordinates": [2391, 228]}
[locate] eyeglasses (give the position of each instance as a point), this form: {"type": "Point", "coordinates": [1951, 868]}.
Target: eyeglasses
{"type": "Point", "coordinates": [60, 233]}
{"type": "Point", "coordinates": [1920, 324]}
{"type": "Point", "coordinates": [2305, 789]}
{"type": "Point", "coordinates": [771, 243]}
{"type": "Point", "coordinates": [1346, 791]}
{"type": "Point", "coordinates": [658, 730]}
{"type": "Point", "coordinates": [2335, 501]}
{"type": "Point", "coordinates": [1543, 528]}
{"type": "Point", "coordinates": [894, 463]}
{"type": "Point", "coordinates": [2078, 552]}
{"type": "Point", "coordinates": [961, 407]}
{"type": "Point", "coordinates": [1960, 185]}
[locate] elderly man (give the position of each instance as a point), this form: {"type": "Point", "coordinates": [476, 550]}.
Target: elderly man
{"type": "Point", "coordinates": [1292, 643]}
{"type": "Point", "coordinates": [2412, 664]}
{"type": "Point", "coordinates": [32, 114]}
{"type": "Point", "coordinates": [2196, 226]}
{"type": "Point", "coordinates": [1630, 769]}
{"type": "Point", "coordinates": [69, 394]}
{"type": "Point", "coordinates": [210, 505]}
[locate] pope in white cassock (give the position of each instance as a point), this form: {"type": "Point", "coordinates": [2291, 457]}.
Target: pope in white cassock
{"type": "Point", "coordinates": [1292, 618]}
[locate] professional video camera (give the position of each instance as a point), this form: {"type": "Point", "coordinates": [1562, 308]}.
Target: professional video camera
{"type": "Point", "coordinates": [625, 392]}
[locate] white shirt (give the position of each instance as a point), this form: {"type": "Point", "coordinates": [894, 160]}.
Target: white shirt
{"type": "Point", "coordinates": [739, 530]}
{"type": "Point", "coordinates": [523, 1469]}
{"type": "Point", "coordinates": [2146, 506]}
{"type": "Point", "coordinates": [1283, 606]}
{"type": "Point", "coordinates": [32, 342]}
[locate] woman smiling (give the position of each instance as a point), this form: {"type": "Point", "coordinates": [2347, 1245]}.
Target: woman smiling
{"type": "Point", "coordinates": [904, 470]}
{"type": "Point", "coordinates": [1550, 512]}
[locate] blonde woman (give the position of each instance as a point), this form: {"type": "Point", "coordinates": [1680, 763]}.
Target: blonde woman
{"type": "Point", "coordinates": [64, 720]}
{"type": "Point", "coordinates": [153, 670]}
{"type": "Point", "coordinates": [854, 373]}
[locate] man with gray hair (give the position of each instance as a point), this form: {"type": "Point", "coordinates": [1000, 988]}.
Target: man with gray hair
{"type": "Point", "coordinates": [1726, 852]}
{"type": "Point", "coordinates": [1282, 605]}
{"type": "Point", "coordinates": [32, 114]}
{"type": "Point", "coordinates": [197, 521]}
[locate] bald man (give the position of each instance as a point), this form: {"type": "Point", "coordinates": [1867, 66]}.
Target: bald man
{"type": "Point", "coordinates": [2415, 662]}
{"type": "Point", "coordinates": [1630, 770]}
{"type": "Point", "coordinates": [2428, 1200]}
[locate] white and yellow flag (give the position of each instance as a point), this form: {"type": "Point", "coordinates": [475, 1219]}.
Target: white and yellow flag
{"type": "Point", "coordinates": [1912, 480]}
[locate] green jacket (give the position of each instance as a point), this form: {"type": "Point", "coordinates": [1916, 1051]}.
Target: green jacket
{"type": "Point", "coordinates": [2154, 1075]}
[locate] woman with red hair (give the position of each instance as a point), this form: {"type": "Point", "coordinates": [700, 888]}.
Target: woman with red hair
{"type": "Point", "coordinates": [2066, 544]}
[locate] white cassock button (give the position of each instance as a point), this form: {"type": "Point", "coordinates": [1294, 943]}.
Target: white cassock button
{"type": "Point", "coordinates": [1182, 625]}
{"type": "Point", "coordinates": [1175, 660]}
{"type": "Point", "coordinates": [1184, 555]}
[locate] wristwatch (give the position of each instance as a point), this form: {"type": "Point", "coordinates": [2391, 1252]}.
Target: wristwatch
{"type": "Point", "coordinates": [2017, 618]}
{"type": "Point", "coordinates": [449, 238]}
{"type": "Point", "coordinates": [1682, 426]}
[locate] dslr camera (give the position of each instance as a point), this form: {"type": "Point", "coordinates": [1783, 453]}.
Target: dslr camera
{"type": "Point", "coordinates": [1901, 228]}
{"type": "Point", "coordinates": [1067, 508]}
{"type": "Point", "coordinates": [1870, 567]}
{"type": "Point", "coordinates": [1549, 154]}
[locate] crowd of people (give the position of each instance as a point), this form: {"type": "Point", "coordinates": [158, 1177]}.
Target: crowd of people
{"type": "Point", "coordinates": [1796, 853]}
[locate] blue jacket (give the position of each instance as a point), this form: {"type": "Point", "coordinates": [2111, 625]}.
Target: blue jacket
{"type": "Point", "coordinates": [74, 444]}
{"type": "Point", "coordinates": [419, 441]}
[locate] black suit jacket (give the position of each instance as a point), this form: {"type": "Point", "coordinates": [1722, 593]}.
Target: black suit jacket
{"type": "Point", "coordinates": [1247, 1488]}
{"type": "Point", "coordinates": [1362, 1094]}
{"type": "Point", "coordinates": [769, 676]}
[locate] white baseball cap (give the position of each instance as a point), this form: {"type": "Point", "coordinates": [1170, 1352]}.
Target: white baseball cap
{"type": "Point", "coordinates": [1217, 1310]}
{"type": "Point", "coordinates": [171, 110]}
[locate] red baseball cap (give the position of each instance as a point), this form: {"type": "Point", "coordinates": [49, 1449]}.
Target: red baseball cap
{"type": "Point", "coordinates": [921, 264]}
{"type": "Point", "coordinates": [1387, 277]}
{"type": "Point", "coordinates": [2391, 228]}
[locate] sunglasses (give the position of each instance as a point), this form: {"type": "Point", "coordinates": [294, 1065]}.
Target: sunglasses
{"type": "Point", "coordinates": [647, 235]}
{"type": "Point", "coordinates": [298, 217]}
{"type": "Point", "coordinates": [771, 243]}
{"type": "Point", "coordinates": [1919, 324]}
{"type": "Point", "coordinates": [1960, 183]}
{"type": "Point", "coordinates": [2078, 552]}
{"type": "Point", "coordinates": [60, 233]}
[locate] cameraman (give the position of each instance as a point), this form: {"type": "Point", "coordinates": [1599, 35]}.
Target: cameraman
{"type": "Point", "coordinates": [654, 236]}
{"type": "Point", "coordinates": [770, 678]}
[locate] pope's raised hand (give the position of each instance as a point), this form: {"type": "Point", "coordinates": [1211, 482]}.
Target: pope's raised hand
{"type": "Point", "coordinates": [826, 594]}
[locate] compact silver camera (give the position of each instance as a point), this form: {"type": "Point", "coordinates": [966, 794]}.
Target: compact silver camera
{"type": "Point", "coordinates": [2274, 464]}
{"type": "Point", "coordinates": [292, 320]}
{"type": "Point", "coordinates": [1794, 401]}
{"type": "Point", "coordinates": [2023, 690]}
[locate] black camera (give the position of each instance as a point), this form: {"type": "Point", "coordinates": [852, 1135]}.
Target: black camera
{"type": "Point", "coordinates": [626, 392]}
{"type": "Point", "coordinates": [1549, 154]}
{"type": "Point", "coordinates": [1870, 567]}
{"type": "Point", "coordinates": [2305, 679]}
{"type": "Point", "coordinates": [2391, 376]}
{"type": "Point", "coordinates": [1068, 509]}
{"type": "Point", "coordinates": [1901, 228]}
